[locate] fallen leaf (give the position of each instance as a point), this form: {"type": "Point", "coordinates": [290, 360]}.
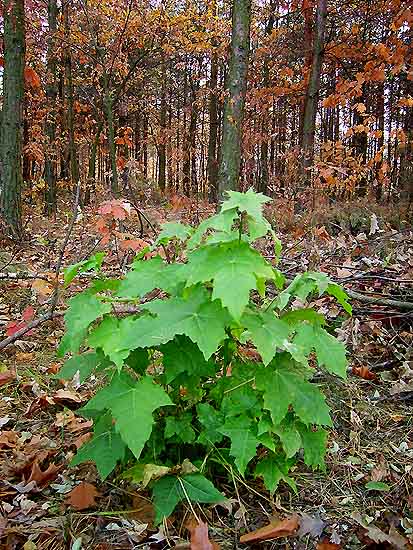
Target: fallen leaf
{"type": "Point", "coordinates": [6, 377]}
{"type": "Point", "coordinates": [81, 440]}
{"type": "Point", "coordinates": [83, 496]}
{"type": "Point", "coordinates": [365, 373]}
{"type": "Point", "coordinates": [39, 404]}
{"type": "Point", "coordinates": [199, 536]}
{"type": "Point", "coordinates": [380, 471]}
{"type": "Point", "coordinates": [42, 288]}
{"type": "Point", "coordinates": [143, 510]}
{"type": "Point", "coordinates": [8, 439]}
{"type": "Point", "coordinates": [66, 396]}
{"type": "Point", "coordinates": [43, 477]}
{"type": "Point", "coordinates": [28, 313]}
{"type": "Point", "coordinates": [310, 526]}
{"type": "Point", "coordinates": [378, 536]}
{"type": "Point", "coordinates": [276, 529]}
{"type": "Point", "coordinates": [325, 545]}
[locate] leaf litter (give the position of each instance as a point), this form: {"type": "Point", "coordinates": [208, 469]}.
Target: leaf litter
{"type": "Point", "coordinates": [331, 508]}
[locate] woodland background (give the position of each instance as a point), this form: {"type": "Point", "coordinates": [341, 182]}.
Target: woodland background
{"type": "Point", "coordinates": [127, 98]}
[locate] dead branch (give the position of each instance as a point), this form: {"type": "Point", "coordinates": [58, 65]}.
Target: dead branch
{"type": "Point", "coordinates": [398, 304]}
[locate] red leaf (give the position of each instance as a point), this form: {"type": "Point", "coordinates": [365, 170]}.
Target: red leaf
{"type": "Point", "coordinates": [28, 313]}
{"type": "Point", "coordinates": [14, 326]}
{"type": "Point", "coordinates": [276, 529]}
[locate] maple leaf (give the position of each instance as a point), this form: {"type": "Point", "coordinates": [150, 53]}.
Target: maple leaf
{"type": "Point", "coordinates": [243, 441]}
{"type": "Point", "coordinates": [275, 530]}
{"type": "Point", "coordinates": [326, 545]}
{"type": "Point", "coordinates": [83, 496]}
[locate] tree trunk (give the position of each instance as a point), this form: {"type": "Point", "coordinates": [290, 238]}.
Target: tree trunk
{"type": "Point", "coordinates": [114, 185]}
{"type": "Point", "coordinates": [162, 124]}
{"type": "Point", "coordinates": [264, 179]}
{"type": "Point", "coordinates": [230, 162]}
{"type": "Point", "coordinates": [311, 99]}
{"type": "Point", "coordinates": [74, 166]}
{"type": "Point", "coordinates": [12, 117]}
{"type": "Point", "coordinates": [50, 166]}
{"type": "Point", "coordinates": [212, 163]}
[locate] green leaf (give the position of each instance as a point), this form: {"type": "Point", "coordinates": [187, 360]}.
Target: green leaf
{"type": "Point", "coordinates": [195, 316]}
{"type": "Point", "coordinates": [119, 384]}
{"type": "Point", "coordinates": [340, 295]}
{"type": "Point", "coordinates": [142, 278]}
{"type": "Point", "coordinates": [94, 262]}
{"type": "Point", "coordinates": [109, 336]}
{"type": "Point", "coordinates": [289, 435]}
{"type": "Point", "coordinates": [377, 486]}
{"type": "Point", "coordinates": [296, 316]}
{"type": "Point", "coordinates": [85, 364]}
{"type": "Point", "coordinates": [181, 426]}
{"type": "Point", "coordinates": [83, 309]}
{"type": "Point", "coordinates": [249, 202]}
{"type": "Point", "coordinates": [221, 222]}
{"type": "Point", "coordinates": [138, 360]}
{"type": "Point", "coordinates": [331, 353]}
{"type": "Point", "coordinates": [170, 490]}
{"type": "Point", "coordinates": [105, 448]}
{"type": "Point", "coordinates": [236, 262]}
{"type": "Point", "coordinates": [266, 332]}
{"type": "Point", "coordinates": [273, 469]}
{"type": "Point", "coordinates": [314, 444]}
{"type": "Point", "coordinates": [173, 230]}
{"type": "Point", "coordinates": [283, 386]}
{"type": "Point", "coordinates": [133, 411]}
{"type": "Point", "coordinates": [212, 421]}
{"type": "Point", "coordinates": [243, 441]}
{"type": "Point", "coordinates": [181, 355]}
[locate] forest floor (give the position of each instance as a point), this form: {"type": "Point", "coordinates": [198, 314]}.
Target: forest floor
{"type": "Point", "coordinates": [372, 439]}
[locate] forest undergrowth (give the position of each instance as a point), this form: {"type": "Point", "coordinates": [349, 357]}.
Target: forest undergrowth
{"type": "Point", "coordinates": [362, 500]}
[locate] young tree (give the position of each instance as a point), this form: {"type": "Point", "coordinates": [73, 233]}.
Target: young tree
{"type": "Point", "coordinates": [236, 85]}
{"type": "Point", "coordinates": [12, 117]}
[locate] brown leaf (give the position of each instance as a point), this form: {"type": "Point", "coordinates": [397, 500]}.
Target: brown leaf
{"type": "Point", "coordinates": [276, 529]}
{"type": "Point", "coordinates": [6, 377]}
{"type": "Point", "coordinates": [81, 440]}
{"type": "Point", "coordinates": [377, 535]}
{"type": "Point", "coordinates": [143, 510]}
{"type": "Point", "coordinates": [199, 536]}
{"type": "Point", "coordinates": [67, 397]}
{"type": "Point", "coordinates": [43, 477]}
{"type": "Point", "coordinates": [364, 372]}
{"type": "Point", "coordinates": [8, 439]}
{"type": "Point", "coordinates": [326, 545]}
{"type": "Point", "coordinates": [83, 496]}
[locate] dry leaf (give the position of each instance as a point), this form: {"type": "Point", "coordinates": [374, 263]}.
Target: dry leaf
{"type": "Point", "coordinates": [378, 536]}
{"type": "Point", "coordinates": [8, 439]}
{"type": "Point", "coordinates": [42, 477]}
{"type": "Point", "coordinates": [83, 496]}
{"type": "Point", "coordinates": [310, 526]}
{"type": "Point", "coordinates": [380, 471]}
{"type": "Point", "coordinates": [81, 440]}
{"type": "Point", "coordinates": [6, 377]}
{"type": "Point", "coordinates": [326, 545]}
{"type": "Point", "coordinates": [66, 396]}
{"type": "Point", "coordinates": [365, 373]}
{"type": "Point", "coordinates": [143, 510]}
{"type": "Point", "coordinates": [42, 288]}
{"type": "Point", "coordinates": [276, 529]}
{"type": "Point", "coordinates": [199, 536]}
